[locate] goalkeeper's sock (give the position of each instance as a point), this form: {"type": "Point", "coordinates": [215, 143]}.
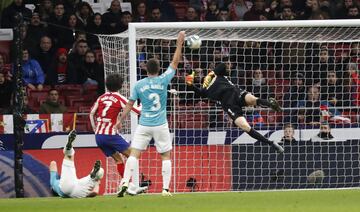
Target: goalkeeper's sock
{"type": "Point", "coordinates": [166, 173]}
{"type": "Point", "coordinates": [120, 168]}
{"type": "Point", "coordinates": [263, 102]}
{"type": "Point", "coordinates": [255, 134]}
{"type": "Point", "coordinates": [69, 152]}
{"type": "Point", "coordinates": [129, 169]}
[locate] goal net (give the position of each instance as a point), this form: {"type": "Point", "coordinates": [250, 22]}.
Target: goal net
{"type": "Point", "coordinates": [310, 67]}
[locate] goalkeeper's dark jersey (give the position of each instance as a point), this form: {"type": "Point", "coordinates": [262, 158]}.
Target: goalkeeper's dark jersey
{"type": "Point", "coordinates": [221, 89]}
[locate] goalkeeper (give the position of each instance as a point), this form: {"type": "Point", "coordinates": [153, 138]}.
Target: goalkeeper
{"type": "Point", "coordinates": [218, 87]}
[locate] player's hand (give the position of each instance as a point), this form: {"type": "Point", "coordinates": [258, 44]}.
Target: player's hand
{"type": "Point", "coordinates": [181, 38]}
{"type": "Point", "coordinates": [118, 125]}
{"type": "Point", "coordinates": [189, 79]}
{"type": "Point", "coordinates": [208, 79]}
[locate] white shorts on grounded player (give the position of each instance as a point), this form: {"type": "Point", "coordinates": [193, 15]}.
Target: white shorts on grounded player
{"type": "Point", "coordinates": [70, 185]}
{"type": "Point", "coordinates": [144, 134]}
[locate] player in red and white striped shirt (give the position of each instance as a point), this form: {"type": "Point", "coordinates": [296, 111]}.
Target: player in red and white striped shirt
{"type": "Point", "coordinates": [103, 117]}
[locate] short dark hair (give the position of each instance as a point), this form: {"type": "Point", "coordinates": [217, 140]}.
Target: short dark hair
{"type": "Point", "coordinates": [153, 66]}
{"type": "Point", "coordinates": [114, 82]}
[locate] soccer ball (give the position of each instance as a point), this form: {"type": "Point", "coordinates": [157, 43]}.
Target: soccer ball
{"type": "Point", "coordinates": [193, 42]}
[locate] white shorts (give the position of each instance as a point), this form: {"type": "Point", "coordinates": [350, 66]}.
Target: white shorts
{"type": "Point", "coordinates": [161, 135]}
{"type": "Point", "coordinates": [70, 185]}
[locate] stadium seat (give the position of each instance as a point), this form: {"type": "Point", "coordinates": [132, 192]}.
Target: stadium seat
{"type": "Point", "coordinates": [180, 8]}
{"type": "Point", "coordinates": [84, 109]}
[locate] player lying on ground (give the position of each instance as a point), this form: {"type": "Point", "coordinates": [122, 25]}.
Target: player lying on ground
{"type": "Point", "coordinates": [107, 109]}
{"type": "Point", "coordinates": [68, 185]}
{"type": "Point", "coordinates": [218, 87]}
{"type": "Point", "coordinates": [152, 92]}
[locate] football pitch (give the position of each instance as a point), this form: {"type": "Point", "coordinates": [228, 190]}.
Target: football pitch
{"type": "Point", "coordinates": [325, 200]}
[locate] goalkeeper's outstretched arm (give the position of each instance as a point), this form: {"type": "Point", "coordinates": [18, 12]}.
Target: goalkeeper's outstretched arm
{"type": "Point", "coordinates": [190, 82]}
{"type": "Point", "coordinates": [178, 52]}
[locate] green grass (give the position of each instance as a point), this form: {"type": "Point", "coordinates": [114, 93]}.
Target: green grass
{"type": "Point", "coordinates": [304, 201]}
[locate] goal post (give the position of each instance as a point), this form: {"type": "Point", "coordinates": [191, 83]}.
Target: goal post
{"type": "Point", "coordinates": [310, 67]}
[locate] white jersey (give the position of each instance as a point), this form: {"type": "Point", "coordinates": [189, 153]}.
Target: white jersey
{"type": "Point", "coordinates": [73, 187]}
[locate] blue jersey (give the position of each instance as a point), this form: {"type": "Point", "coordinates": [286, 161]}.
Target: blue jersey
{"type": "Point", "coordinates": [152, 92]}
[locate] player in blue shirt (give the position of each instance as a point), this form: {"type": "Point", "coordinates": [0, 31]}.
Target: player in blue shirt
{"type": "Point", "coordinates": [152, 92]}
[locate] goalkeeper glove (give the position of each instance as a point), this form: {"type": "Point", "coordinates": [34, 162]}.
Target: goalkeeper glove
{"type": "Point", "coordinates": [208, 79]}
{"type": "Point", "coordinates": [189, 79]}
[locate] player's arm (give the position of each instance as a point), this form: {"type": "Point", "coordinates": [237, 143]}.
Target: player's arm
{"type": "Point", "coordinates": [126, 111]}
{"type": "Point", "coordinates": [92, 114]}
{"type": "Point", "coordinates": [178, 52]}
{"type": "Point", "coordinates": [189, 79]}
{"type": "Point", "coordinates": [136, 108]}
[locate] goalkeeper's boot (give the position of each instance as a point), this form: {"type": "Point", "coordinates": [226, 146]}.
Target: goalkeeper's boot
{"type": "Point", "coordinates": [277, 146]}
{"type": "Point", "coordinates": [166, 193]}
{"type": "Point", "coordinates": [274, 105]}
{"type": "Point", "coordinates": [71, 139]}
{"type": "Point", "coordinates": [122, 189]}
{"type": "Point", "coordinates": [97, 172]}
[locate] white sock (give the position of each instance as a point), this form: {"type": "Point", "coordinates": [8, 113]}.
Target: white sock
{"type": "Point", "coordinates": [135, 175]}
{"type": "Point", "coordinates": [166, 173]}
{"type": "Point", "coordinates": [69, 153]}
{"type": "Point", "coordinates": [129, 169]}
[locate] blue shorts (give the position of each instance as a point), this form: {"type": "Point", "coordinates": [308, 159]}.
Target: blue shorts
{"type": "Point", "coordinates": [55, 182]}
{"type": "Point", "coordinates": [110, 144]}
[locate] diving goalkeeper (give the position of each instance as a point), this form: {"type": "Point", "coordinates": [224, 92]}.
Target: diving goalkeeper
{"type": "Point", "coordinates": [218, 87]}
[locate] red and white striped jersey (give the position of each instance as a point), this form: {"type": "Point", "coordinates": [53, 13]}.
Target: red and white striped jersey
{"type": "Point", "coordinates": [107, 108]}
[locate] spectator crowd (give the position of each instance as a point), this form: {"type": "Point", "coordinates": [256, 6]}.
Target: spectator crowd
{"type": "Point", "coordinates": [61, 48]}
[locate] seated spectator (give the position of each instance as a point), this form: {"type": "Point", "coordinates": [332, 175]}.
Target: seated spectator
{"type": "Point", "coordinates": [257, 11]}
{"type": "Point", "coordinates": [156, 15]}
{"type": "Point", "coordinates": [52, 104]}
{"type": "Point", "coordinates": [343, 8]}
{"type": "Point", "coordinates": [259, 85]}
{"type": "Point", "coordinates": [58, 73]}
{"type": "Point", "coordinates": [77, 60]}
{"type": "Point", "coordinates": [318, 66]}
{"type": "Point", "coordinates": [5, 68]}
{"type": "Point", "coordinates": [238, 8]}
{"type": "Point", "coordinates": [191, 14]}
{"type": "Point", "coordinates": [353, 79]}
{"type": "Point", "coordinates": [45, 9]}
{"type": "Point", "coordinates": [36, 30]}
{"type": "Point", "coordinates": [6, 89]}
{"type": "Point", "coordinates": [141, 13]}
{"type": "Point", "coordinates": [353, 12]}
{"type": "Point", "coordinates": [223, 15]}
{"type": "Point", "coordinates": [212, 11]}
{"type": "Point", "coordinates": [126, 18]}
{"type": "Point", "coordinates": [8, 14]}
{"type": "Point", "coordinates": [296, 93]}
{"type": "Point", "coordinates": [324, 134]}
{"type": "Point", "coordinates": [333, 91]}
{"type": "Point", "coordinates": [287, 14]}
{"type": "Point", "coordinates": [68, 38]}
{"type": "Point", "coordinates": [113, 16]}
{"type": "Point", "coordinates": [95, 26]}
{"type": "Point", "coordinates": [167, 9]}
{"type": "Point", "coordinates": [288, 134]}
{"type": "Point", "coordinates": [58, 18]}
{"type": "Point", "coordinates": [33, 75]}
{"type": "Point", "coordinates": [83, 14]}
{"type": "Point", "coordinates": [27, 108]}
{"type": "Point", "coordinates": [95, 72]}
{"type": "Point", "coordinates": [45, 53]}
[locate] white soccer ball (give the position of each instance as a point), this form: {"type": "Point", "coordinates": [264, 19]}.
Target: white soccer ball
{"type": "Point", "coordinates": [193, 42]}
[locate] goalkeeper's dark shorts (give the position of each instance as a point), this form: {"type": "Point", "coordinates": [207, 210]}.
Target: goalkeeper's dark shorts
{"type": "Point", "coordinates": [234, 103]}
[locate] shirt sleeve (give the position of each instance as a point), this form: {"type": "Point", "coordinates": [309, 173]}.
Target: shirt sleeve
{"type": "Point", "coordinates": [134, 95]}
{"type": "Point", "coordinates": [168, 75]}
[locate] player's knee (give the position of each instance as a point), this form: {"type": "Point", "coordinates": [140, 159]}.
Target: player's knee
{"type": "Point", "coordinates": [242, 124]}
{"type": "Point", "coordinates": [53, 166]}
{"type": "Point", "coordinates": [250, 99]}
{"type": "Point", "coordinates": [166, 155]}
